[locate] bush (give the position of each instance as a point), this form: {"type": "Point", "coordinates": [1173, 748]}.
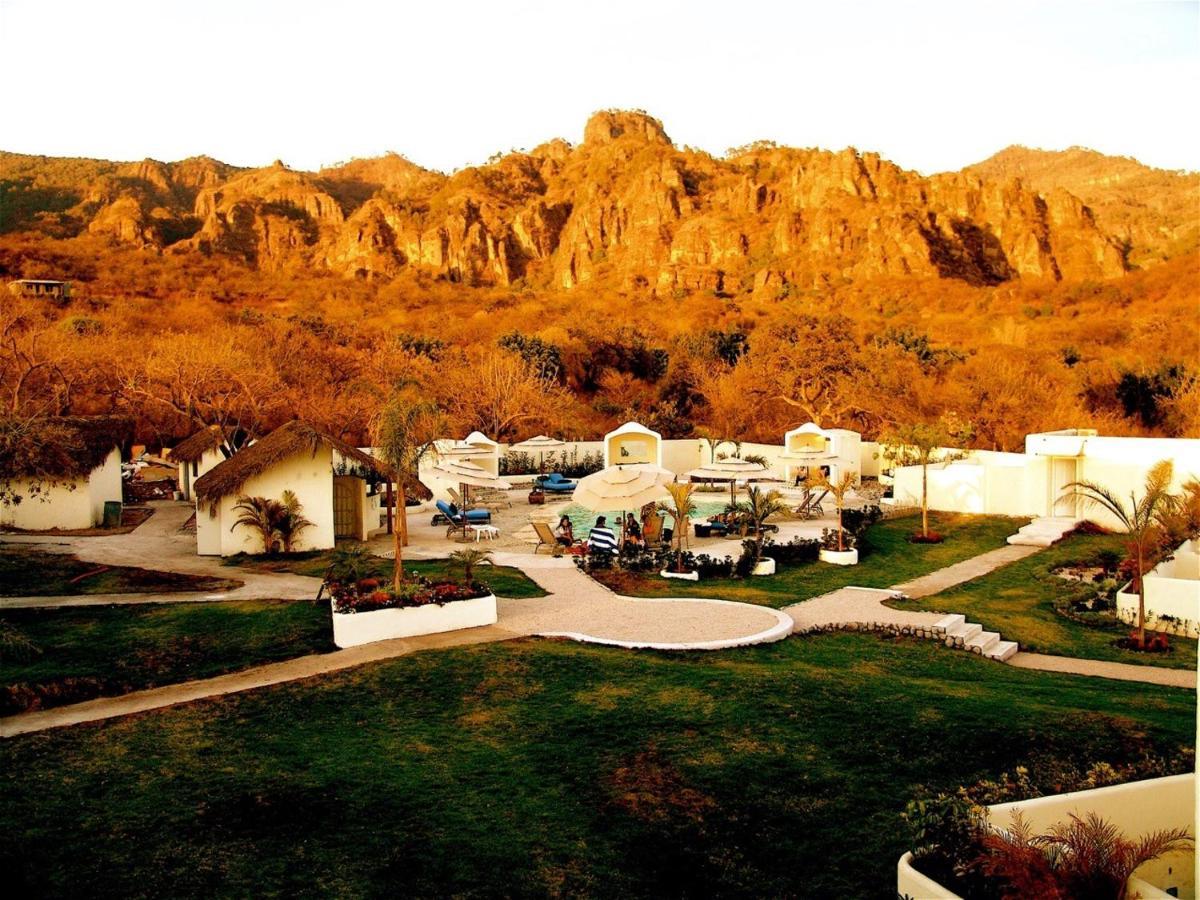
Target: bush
{"type": "Point", "coordinates": [795, 552]}
{"type": "Point", "coordinates": [366, 595]}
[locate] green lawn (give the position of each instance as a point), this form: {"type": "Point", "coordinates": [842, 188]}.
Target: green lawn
{"type": "Point", "coordinates": [505, 581]}
{"type": "Point", "coordinates": [26, 570]}
{"type": "Point", "coordinates": [92, 651]}
{"type": "Point", "coordinates": [538, 768]}
{"type": "Point", "coordinates": [1018, 601]}
{"type": "Point", "coordinates": [890, 559]}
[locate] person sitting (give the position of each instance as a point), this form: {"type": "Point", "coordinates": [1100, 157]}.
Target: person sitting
{"type": "Point", "coordinates": [633, 532]}
{"type": "Point", "coordinates": [564, 532]}
{"type": "Point", "coordinates": [601, 539]}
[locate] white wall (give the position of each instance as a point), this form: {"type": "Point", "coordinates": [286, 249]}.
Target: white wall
{"type": "Point", "coordinates": [74, 504]}
{"type": "Point", "coordinates": [1172, 589]}
{"type": "Point", "coordinates": [308, 476]}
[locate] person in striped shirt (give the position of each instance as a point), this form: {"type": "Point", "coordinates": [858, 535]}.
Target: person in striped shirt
{"type": "Point", "coordinates": [601, 538]}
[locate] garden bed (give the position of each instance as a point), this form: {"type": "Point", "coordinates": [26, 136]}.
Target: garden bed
{"type": "Point", "coordinates": [350, 629]}
{"type": "Point", "coordinates": [27, 571]}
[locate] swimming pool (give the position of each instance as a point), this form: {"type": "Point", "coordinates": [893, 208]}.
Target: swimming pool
{"type": "Point", "coordinates": [583, 519]}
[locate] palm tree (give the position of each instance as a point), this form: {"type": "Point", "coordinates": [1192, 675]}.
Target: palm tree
{"type": "Point", "coordinates": [467, 559]}
{"type": "Point", "coordinates": [922, 444]}
{"type": "Point", "coordinates": [759, 506]}
{"type": "Point", "coordinates": [259, 514]}
{"type": "Point", "coordinates": [839, 490]}
{"type": "Point", "coordinates": [1143, 521]}
{"type": "Point", "coordinates": [680, 508]}
{"type": "Point", "coordinates": [405, 430]}
{"type": "Point", "coordinates": [291, 521]}
{"type": "Point", "coordinates": [713, 442]}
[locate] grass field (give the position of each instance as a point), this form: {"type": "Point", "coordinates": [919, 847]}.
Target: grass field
{"type": "Point", "coordinates": [889, 559]}
{"type": "Point", "coordinates": [505, 581]}
{"type": "Point", "coordinates": [1018, 600]}
{"type": "Point", "coordinates": [86, 652]}
{"type": "Point", "coordinates": [546, 768]}
{"type": "Point", "coordinates": [28, 571]}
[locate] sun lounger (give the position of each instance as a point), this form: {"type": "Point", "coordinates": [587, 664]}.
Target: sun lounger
{"type": "Point", "coordinates": [810, 505]}
{"type": "Point", "coordinates": [554, 483]}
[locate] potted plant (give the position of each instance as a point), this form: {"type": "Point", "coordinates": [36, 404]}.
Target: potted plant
{"type": "Point", "coordinates": [759, 506]}
{"type": "Point", "coordinates": [839, 549]}
{"type": "Point", "coordinates": [681, 508]}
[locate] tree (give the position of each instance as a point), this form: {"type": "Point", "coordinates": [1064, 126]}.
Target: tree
{"type": "Point", "coordinates": [923, 444]}
{"type": "Point", "coordinates": [499, 392]}
{"type": "Point", "coordinates": [680, 508]}
{"type": "Point", "coordinates": [405, 431]}
{"type": "Point", "coordinates": [467, 559]}
{"type": "Point", "coordinates": [259, 514]}
{"type": "Point", "coordinates": [759, 506]}
{"type": "Point", "coordinates": [1143, 520]}
{"type": "Point", "coordinates": [839, 489]}
{"type": "Point", "coordinates": [291, 521]}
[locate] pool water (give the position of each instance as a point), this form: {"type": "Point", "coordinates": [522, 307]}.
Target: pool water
{"type": "Point", "coordinates": [583, 519]}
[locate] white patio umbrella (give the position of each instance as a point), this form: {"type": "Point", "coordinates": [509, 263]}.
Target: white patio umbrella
{"type": "Point", "coordinates": [623, 488]}
{"type": "Point", "coordinates": [462, 450]}
{"type": "Point", "coordinates": [539, 445]}
{"type": "Point", "coordinates": [733, 469]}
{"type": "Point", "coordinates": [466, 474]}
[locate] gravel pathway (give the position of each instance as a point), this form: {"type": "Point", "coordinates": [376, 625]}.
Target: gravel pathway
{"type": "Point", "coordinates": [1183, 678]}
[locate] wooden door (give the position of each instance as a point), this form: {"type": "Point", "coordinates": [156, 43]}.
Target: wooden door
{"type": "Point", "coordinates": [347, 517]}
{"type": "Point", "coordinates": [1063, 471]}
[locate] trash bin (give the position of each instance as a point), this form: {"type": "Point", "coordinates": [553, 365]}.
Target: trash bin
{"type": "Point", "coordinates": [112, 513]}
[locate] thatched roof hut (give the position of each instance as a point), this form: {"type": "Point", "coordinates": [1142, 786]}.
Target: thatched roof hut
{"type": "Point", "coordinates": [284, 442]}
{"type": "Point", "coordinates": [190, 449]}
{"type": "Point", "coordinates": [59, 448]}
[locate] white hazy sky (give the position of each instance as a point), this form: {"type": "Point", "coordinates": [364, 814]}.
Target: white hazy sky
{"type": "Point", "coordinates": [930, 85]}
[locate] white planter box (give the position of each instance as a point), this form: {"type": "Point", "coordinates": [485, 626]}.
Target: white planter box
{"type": "Point", "coordinates": [842, 558]}
{"type": "Point", "coordinates": [353, 629]}
{"type": "Point", "coordinates": [682, 576]}
{"type": "Point", "coordinates": [764, 567]}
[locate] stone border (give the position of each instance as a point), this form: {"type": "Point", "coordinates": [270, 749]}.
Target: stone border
{"type": "Point", "coordinates": [783, 627]}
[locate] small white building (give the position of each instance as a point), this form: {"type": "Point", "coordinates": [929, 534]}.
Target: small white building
{"type": "Point", "coordinates": [1172, 594]}
{"type": "Point", "coordinates": [1034, 483]}
{"type": "Point", "coordinates": [197, 455]}
{"type": "Point", "coordinates": [68, 490]}
{"type": "Point", "coordinates": [633, 443]}
{"type": "Point", "coordinates": [295, 457]}
{"type": "Point", "coordinates": [833, 451]}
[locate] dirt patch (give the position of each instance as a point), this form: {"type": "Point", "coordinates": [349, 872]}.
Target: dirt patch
{"type": "Point", "coordinates": [131, 518]}
{"type": "Point", "coordinates": [652, 790]}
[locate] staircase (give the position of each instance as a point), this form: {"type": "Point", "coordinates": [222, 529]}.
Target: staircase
{"type": "Point", "coordinates": [1043, 531]}
{"type": "Point", "coordinates": [964, 635]}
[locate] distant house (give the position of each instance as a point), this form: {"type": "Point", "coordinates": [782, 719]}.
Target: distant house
{"type": "Point", "coordinates": [196, 455]}
{"type": "Point", "coordinates": [39, 287]}
{"type": "Point", "coordinates": [61, 474]}
{"type": "Point", "coordinates": [331, 479]}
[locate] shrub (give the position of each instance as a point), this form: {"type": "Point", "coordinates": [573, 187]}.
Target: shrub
{"type": "Point", "coordinates": [367, 596]}
{"type": "Point", "coordinates": [795, 552]}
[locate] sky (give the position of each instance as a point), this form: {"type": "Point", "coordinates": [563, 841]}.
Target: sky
{"type": "Point", "coordinates": [933, 86]}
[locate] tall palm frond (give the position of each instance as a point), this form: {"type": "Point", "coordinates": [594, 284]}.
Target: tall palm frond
{"type": "Point", "coordinates": [291, 521]}
{"type": "Point", "coordinates": [259, 514]}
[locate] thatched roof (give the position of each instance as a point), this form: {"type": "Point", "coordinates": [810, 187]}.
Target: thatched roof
{"type": "Point", "coordinates": [59, 447]}
{"type": "Point", "coordinates": [190, 449]}
{"type": "Point", "coordinates": [283, 443]}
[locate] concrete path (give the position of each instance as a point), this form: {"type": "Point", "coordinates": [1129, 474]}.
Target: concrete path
{"type": "Point", "coordinates": [967, 570]}
{"type": "Point", "coordinates": [1182, 678]}
{"type": "Point", "coordinates": [582, 609]}
{"type": "Point", "coordinates": [158, 543]}
{"type": "Point", "coordinates": [248, 679]}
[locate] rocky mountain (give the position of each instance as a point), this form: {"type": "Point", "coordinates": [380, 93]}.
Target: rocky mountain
{"type": "Point", "coordinates": [1153, 213]}
{"type": "Point", "coordinates": [627, 207]}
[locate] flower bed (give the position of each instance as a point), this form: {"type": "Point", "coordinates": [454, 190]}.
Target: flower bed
{"type": "Point", "coordinates": [365, 612]}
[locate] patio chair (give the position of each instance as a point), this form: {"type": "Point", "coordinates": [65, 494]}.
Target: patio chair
{"type": "Point", "coordinates": [652, 532]}
{"type": "Point", "coordinates": [458, 520]}
{"type": "Point", "coordinates": [810, 506]}
{"type": "Point", "coordinates": [545, 536]}
{"type": "Point", "coordinates": [554, 483]}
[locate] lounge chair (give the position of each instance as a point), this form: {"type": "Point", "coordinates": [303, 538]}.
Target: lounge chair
{"type": "Point", "coordinates": [554, 483]}
{"type": "Point", "coordinates": [545, 537]}
{"type": "Point", "coordinates": [652, 531]}
{"type": "Point", "coordinates": [810, 506]}
{"type": "Point", "coordinates": [460, 520]}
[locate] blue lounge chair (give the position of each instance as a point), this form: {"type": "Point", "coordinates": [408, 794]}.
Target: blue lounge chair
{"type": "Point", "coordinates": [458, 521]}
{"type": "Point", "coordinates": [554, 483]}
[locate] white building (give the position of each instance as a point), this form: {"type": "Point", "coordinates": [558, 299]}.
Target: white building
{"type": "Point", "coordinates": [1034, 483]}
{"type": "Point", "coordinates": [1172, 594]}
{"type": "Point", "coordinates": [633, 443]}
{"type": "Point", "coordinates": [197, 455]}
{"type": "Point", "coordinates": [298, 458]}
{"type": "Point", "coordinates": [834, 451]}
{"type": "Point", "coordinates": [67, 492]}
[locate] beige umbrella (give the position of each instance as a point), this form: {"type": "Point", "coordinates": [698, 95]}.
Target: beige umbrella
{"type": "Point", "coordinates": [540, 445]}
{"type": "Point", "coordinates": [623, 488]}
{"type": "Point", "coordinates": [733, 469]}
{"type": "Point", "coordinates": [462, 450]}
{"type": "Point", "coordinates": [467, 474]}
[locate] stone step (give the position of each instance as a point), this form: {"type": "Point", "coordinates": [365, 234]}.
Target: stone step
{"type": "Point", "coordinates": [965, 632]}
{"type": "Point", "coordinates": [983, 642]}
{"type": "Point", "coordinates": [946, 624]}
{"type": "Point", "coordinates": [1043, 531]}
{"type": "Point", "coordinates": [1002, 651]}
